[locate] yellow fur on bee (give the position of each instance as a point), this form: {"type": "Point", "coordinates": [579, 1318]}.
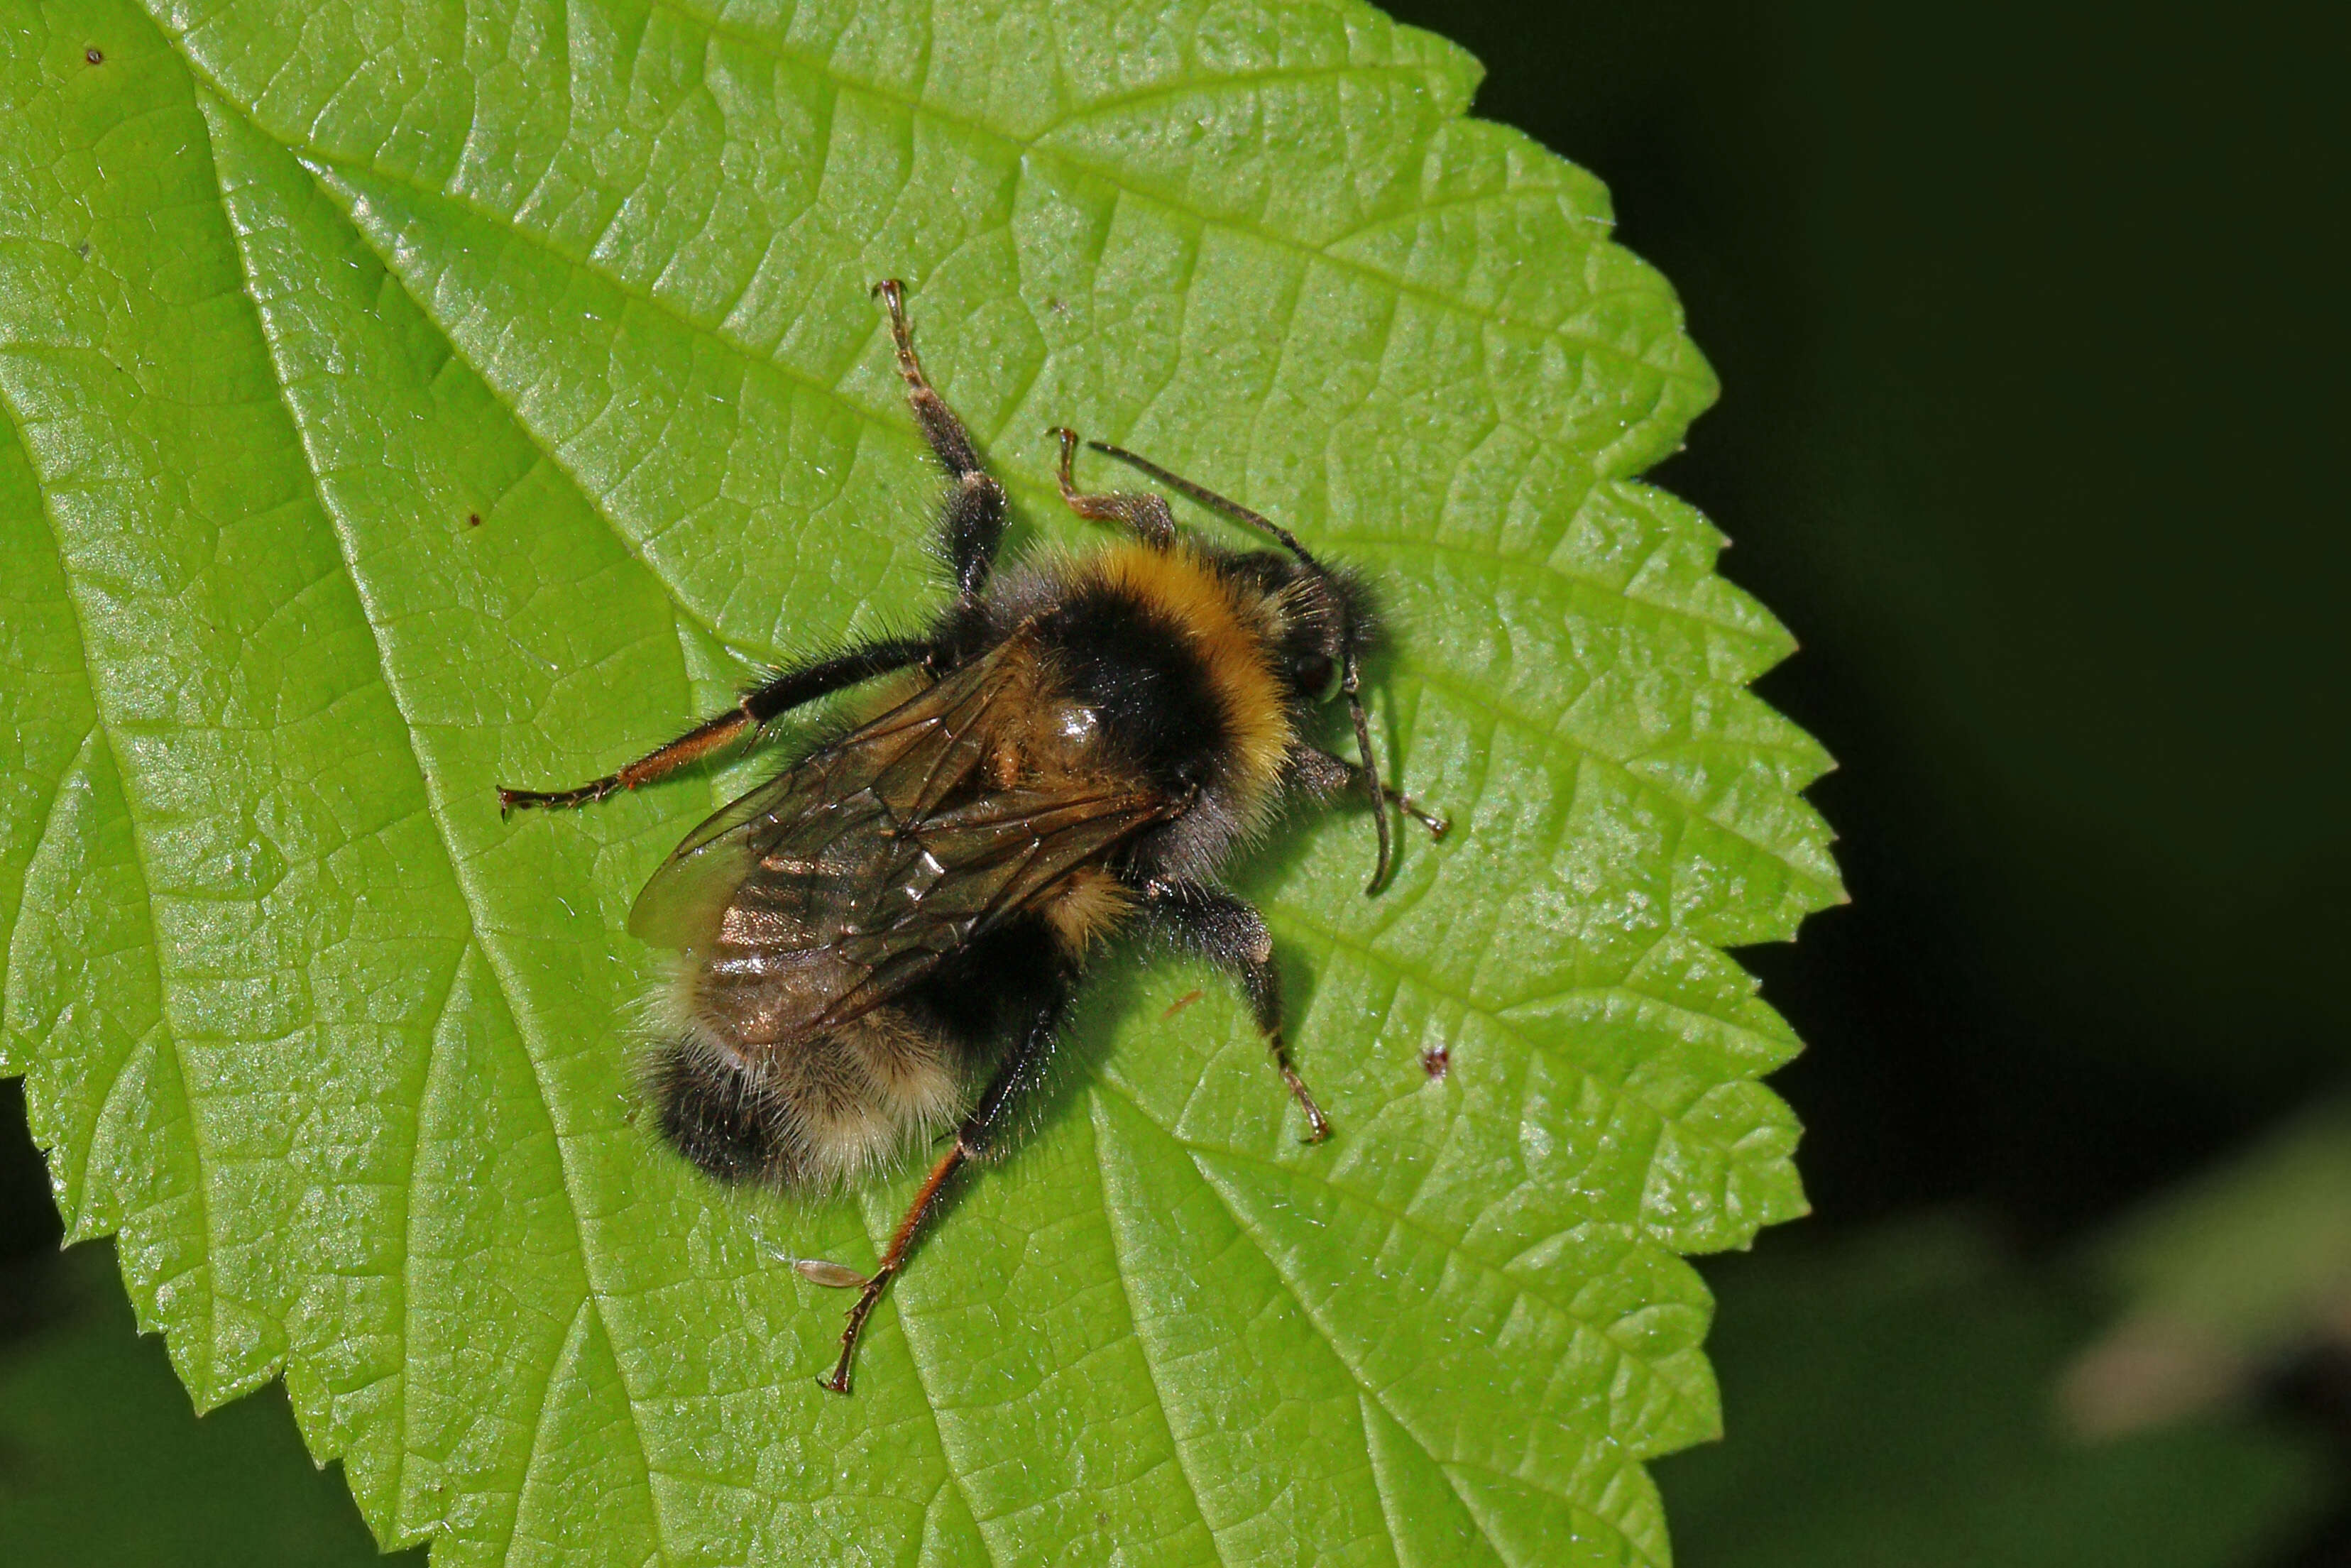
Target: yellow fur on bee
{"type": "Point", "coordinates": [1231, 637]}
{"type": "Point", "coordinates": [1090, 903]}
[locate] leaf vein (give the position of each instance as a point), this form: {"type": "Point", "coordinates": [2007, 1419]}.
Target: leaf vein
{"type": "Point", "coordinates": [460, 869]}
{"type": "Point", "coordinates": [917, 105]}
{"type": "Point", "coordinates": [1499, 1018]}
{"type": "Point", "coordinates": [1586, 750]}
{"type": "Point", "coordinates": [1187, 1463]}
{"type": "Point", "coordinates": [52, 807]}
{"type": "Point", "coordinates": [199, 1188]}
{"type": "Point", "coordinates": [1241, 1224]}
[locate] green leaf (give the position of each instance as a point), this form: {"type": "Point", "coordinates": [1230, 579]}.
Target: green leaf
{"type": "Point", "coordinates": [289, 297]}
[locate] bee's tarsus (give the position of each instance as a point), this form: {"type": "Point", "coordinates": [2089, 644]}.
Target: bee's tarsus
{"type": "Point", "coordinates": [556, 800]}
{"type": "Point", "coordinates": [1317, 1126]}
{"type": "Point", "coordinates": [1145, 514]}
{"type": "Point", "coordinates": [883, 1272]}
{"type": "Point", "coordinates": [893, 294]}
{"type": "Point", "coordinates": [858, 1312]}
{"type": "Point", "coordinates": [1438, 823]}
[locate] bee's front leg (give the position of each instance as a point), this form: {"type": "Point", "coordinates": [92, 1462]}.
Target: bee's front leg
{"type": "Point", "coordinates": [1328, 777]}
{"type": "Point", "coordinates": [1140, 510]}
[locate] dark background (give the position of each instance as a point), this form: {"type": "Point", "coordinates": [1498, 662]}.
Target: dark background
{"type": "Point", "coordinates": [2028, 321]}
{"type": "Point", "coordinates": [2031, 335]}
{"type": "Point", "coordinates": [2030, 325]}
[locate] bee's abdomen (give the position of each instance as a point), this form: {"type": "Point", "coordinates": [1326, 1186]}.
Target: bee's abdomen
{"type": "Point", "coordinates": [813, 1112]}
{"type": "Point", "coordinates": [818, 1109]}
{"type": "Point", "coordinates": [717, 1115]}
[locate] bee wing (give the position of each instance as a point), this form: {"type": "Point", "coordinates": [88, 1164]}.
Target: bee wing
{"type": "Point", "coordinates": [846, 879]}
{"type": "Point", "coordinates": [901, 763]}
{"type": "Point", "coordinates": [942, 883]}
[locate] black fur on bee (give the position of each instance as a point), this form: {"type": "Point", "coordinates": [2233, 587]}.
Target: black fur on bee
{"type": "Point", "coordinates": [880, 944]}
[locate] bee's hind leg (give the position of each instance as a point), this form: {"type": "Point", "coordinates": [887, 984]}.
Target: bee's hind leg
{"type": "Point", "coordinates": [1231, 935]}
{"type": "Point", "coordinates": [891, 1261]}
{"type": "Point", "coordinates": [790, 689]}
{"type": "Point", "coordinates": [971, 524]}
{"type": "Point", "coordinates": [982, 1136]}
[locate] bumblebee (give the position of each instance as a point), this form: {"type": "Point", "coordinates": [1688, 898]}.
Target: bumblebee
{"type": "Point", "coordinates": [880, 944]}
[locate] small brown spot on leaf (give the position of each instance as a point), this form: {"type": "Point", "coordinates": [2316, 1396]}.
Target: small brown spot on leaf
{"type": "Point", "coordinates": [93, 55]}
{"type": "Point", "coordinates": [1180, 1003]}
{"type": "Point", "coordinates": [1437, 1062]}
{"type": "Point", "coordinates": [473, 519]}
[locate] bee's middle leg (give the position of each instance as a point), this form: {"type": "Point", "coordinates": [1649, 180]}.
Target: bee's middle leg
{"type": "Point", "coordinates": [971, 523]}
{"type": "Point", "coordinates": [1231, 935]}
{"type": "Point", "coordinates": [788, 689]}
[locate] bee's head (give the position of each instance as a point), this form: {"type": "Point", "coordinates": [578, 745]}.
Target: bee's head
{"type": "Point", "coordinates": [1327, 629]}
{"type": "Point", "coordinates": [1330, 632]}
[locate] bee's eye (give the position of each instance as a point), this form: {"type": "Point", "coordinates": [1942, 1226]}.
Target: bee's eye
{"type": "Point", "coordinates": [1317, 675]}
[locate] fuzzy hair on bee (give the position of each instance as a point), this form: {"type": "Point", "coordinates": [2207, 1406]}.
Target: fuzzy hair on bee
{"type": "Point", "coordinates": [879, 945]}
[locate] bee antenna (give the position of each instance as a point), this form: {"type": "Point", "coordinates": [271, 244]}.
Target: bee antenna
{"type": "Point", "coordinates": [1214, 502]}
{"type": "Point", "coordinates": [1351, 681]}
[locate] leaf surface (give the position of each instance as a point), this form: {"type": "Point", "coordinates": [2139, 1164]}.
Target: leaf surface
{"type": "Point", "coordinates": [403, 404]}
